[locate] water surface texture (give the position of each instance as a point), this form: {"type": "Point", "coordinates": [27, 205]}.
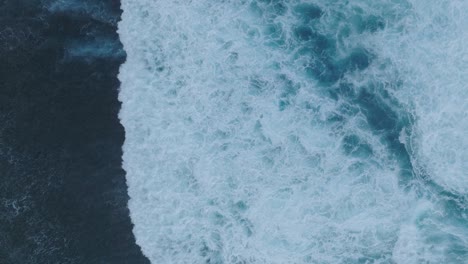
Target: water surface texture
{"type": "Point", "coordinates": [288, 131]}
{"type": "Point", "coordinates": [63, 197]}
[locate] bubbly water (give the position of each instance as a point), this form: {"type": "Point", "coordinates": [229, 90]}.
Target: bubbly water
{"type": "Point", "coordinates": [263, 131]}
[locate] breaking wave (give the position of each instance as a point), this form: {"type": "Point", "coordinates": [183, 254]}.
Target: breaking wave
{"type": "Point", "coordinates": [297, 131]}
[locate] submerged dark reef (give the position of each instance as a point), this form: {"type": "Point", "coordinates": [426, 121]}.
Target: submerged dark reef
{"type": "Point", "coordinates": [63, 195]}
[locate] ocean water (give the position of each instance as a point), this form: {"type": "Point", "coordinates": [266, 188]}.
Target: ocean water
{"type": "Point", "coordinates": [269, 131]}
{"type": "Point", "coordinates": [63, 195]}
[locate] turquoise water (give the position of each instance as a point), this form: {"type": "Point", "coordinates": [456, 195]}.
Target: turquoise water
{"type": "Point", "coordinates": [297, 131]}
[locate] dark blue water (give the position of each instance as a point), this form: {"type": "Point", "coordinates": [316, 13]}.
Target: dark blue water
{"type": "Point", "coordinates": [63, 196]}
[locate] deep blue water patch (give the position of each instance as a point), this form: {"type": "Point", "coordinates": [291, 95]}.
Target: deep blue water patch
{"type": "Point", "coordinates": [308, 12]}
{"type": "Point", "coordinates": [63, 196]}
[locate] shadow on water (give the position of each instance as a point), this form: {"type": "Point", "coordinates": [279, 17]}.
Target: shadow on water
{"type": "Point", "coordinates": [63, 196]}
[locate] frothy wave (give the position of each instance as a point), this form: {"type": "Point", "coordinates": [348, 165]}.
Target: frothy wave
{"type": "Point", "coordinates": [289, 132]}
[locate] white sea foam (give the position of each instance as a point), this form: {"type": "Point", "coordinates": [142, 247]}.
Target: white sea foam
{"type": "Point", "coordinates": [432, 59]}
{"type": "Point", "coordinates": [230, 152]}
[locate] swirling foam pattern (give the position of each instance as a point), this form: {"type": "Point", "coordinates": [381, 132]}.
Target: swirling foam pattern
{"type": "Point", "coordinates": [296, 131]}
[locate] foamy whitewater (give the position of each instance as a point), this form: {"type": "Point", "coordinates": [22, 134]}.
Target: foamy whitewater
{"type": "Point", "coordinates": [263, 131]}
